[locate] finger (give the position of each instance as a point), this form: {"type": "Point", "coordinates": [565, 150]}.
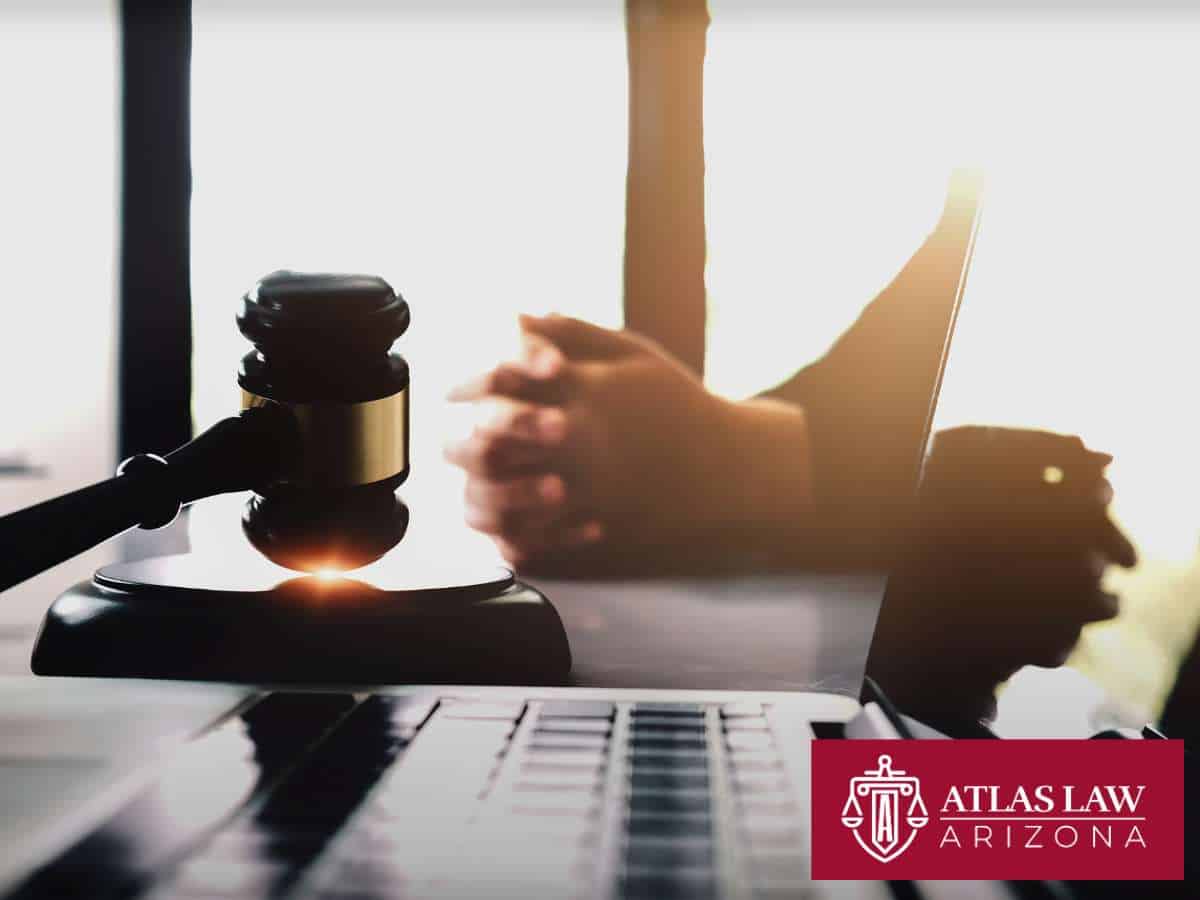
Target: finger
{"type": "Point", "coordinates": [529, 421]}
{"type": "Point", "coordinates": [579, 339]}
{"type": "Point", "coordinates": [1115, 546]}
{"type": "Point", "coordinates": [517, 493]}
{"type": "Point", "coordinates": [541, 357]}
{"type": "Point", "coordinates": [539, 381]}
{"type": "Point", "coordinates": [517, 506]}
{"type": "Point", "coordinates": [498, 456]}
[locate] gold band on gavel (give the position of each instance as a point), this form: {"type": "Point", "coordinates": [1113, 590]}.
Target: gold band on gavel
{"type": "Point", "coordinates": [345, 444]}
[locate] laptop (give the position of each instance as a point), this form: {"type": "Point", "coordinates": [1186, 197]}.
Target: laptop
{"type": "Point", "coordinates": [464, 792]}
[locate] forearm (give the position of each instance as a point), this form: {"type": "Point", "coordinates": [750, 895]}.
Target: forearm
{"type": "Point", "coordinates": [770, 482]}
{"type": "Point", "coordinates": [865, 403]}
{"type": "Point", "coordinates": [762, 496]}
{"type": "Point", "coordinates": [775, 511]}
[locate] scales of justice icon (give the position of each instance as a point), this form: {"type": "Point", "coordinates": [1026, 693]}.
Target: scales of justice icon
{"type": "Point", "coordinates": [881, 790]}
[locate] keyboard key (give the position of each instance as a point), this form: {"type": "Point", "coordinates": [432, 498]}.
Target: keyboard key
{"type": "Point", "coordinates": [542, 741]}
{"type": "Point", "coordinates": [639, 825]}
{"type": "Point", "coordinates": [571, 805]}
{"type": "Point", "coordinates": [461, 708]}
{"type": "Point", "coordinates": [641, 735]}
{"type": "Point", "coordinates": [749, 723]}
{"type": "Point", "coordinates": [548, 786]}
{"type": "Point", "coordinates": [668, 781]}
{"type": "Point", "coordinates": [681, 741]}
{"type": "Point", "coordinates": [557, 749]}
{"type": "Point", "coordinates": [740, 708]}
{"type": "Point", "coordinates": [668, 723]}
{"type": "Point", "coordinates": [537, 766]}
{"type": "Point", "coordinates": [754, 760]}
{"type": "Point", "coordinates": [674, 766]}
{"type": "Point", "coordinates": [669, 802]}
{"type": "Point", "coordinates": [578, 709]}
{"type": "Point", "coordinates": [574, 726]}
{"type": "Point", "coordinates": [591, 756]}
{"type": "Point", "coordinates": [669, 757]}
{"type": "Point", "coordinates": [460, 733]}
{"type": "Point", "coordinates": [693, 710]}
{"type": "Point", "coordinates": [670, 854]}
{"type": "Point", "coordinates": [748, 740]}
{"type": "Point", "coordinates": [586, 776]}
{"type": "Point", "coordinates": [768, 761]}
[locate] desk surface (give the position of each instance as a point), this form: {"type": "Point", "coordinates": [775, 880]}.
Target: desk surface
{"type": "Point", "coordinates": [65, 739]}
{"type": "Point", "coordinates": [778, 632]}
{"type": "Point", "coordinates": [757, 632]}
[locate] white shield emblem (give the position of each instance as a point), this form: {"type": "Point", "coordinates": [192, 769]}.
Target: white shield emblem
{"type": "Point", "coordinates": [881, 793]}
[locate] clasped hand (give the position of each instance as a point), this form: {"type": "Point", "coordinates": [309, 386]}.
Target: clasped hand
{"type": "Point", "coordinates": [600, 441]}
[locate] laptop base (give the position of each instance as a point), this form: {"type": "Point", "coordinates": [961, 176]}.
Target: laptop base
{"type": "Point", "coordinates": [502, 632]}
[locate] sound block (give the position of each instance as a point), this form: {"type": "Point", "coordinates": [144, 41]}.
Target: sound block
{"type": "Point", "coordinates": [197, 618]}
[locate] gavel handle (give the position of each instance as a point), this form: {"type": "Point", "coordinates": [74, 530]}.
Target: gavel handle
{"type": "Point", "coordinates": [236, 454]}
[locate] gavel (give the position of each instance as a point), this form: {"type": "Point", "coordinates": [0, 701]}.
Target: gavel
{"type": "Point", "coordinates": [321, 440]}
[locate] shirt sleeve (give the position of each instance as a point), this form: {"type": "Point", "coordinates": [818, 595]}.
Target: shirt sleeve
{"type": "Point", "coordinates": [869, 399]}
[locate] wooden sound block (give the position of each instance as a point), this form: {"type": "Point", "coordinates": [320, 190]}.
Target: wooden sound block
{"type": "Point", "coordinates": [181, 617]}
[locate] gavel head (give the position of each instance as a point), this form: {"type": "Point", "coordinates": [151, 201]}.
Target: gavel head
{"type": "Point", "coordinates": [322, 353]}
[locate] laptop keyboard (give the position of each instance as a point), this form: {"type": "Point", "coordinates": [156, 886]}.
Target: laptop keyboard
{"type": "Point", "coordinates": [563, 798]}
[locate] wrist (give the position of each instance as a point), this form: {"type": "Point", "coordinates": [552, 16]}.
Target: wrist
{"type": "Point", "coordinates": [764, 482]}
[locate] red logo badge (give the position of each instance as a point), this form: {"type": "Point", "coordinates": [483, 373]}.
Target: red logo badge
{"type": "Point", "coordinates": [997, 809]}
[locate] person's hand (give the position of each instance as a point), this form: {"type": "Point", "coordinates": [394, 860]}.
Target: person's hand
{"type": "Point", "coordinates": [606, 453]}
{"type": "Point", "coordinates": [1005, 565]}
{"type": "Point", "coordinates": [598, 434]}
{"type": "Point", "coordinates": [1012, 543]}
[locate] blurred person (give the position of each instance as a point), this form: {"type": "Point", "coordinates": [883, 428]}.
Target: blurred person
{"type": "Point", "coordinates": [1011, 539]}
{"type": "Point", "coordinates": [605, 453]}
